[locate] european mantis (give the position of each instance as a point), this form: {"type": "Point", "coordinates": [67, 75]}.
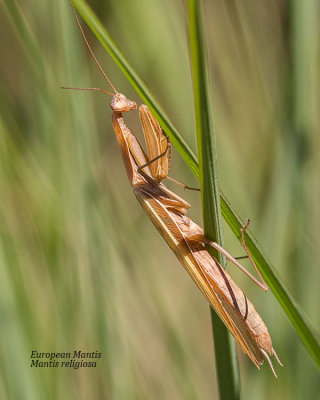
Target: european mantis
{"type": "Point", "coordinates": [167, 211]}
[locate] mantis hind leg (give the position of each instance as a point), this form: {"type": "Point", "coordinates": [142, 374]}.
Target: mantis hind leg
{"type": "Point", "coordinates": [261, 282]}
{"type": "Point", "coordinates": [243, 243]}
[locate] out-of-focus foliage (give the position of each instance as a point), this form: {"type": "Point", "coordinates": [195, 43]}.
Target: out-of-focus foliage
{"type": "Point", "coordinates": [81, 265]}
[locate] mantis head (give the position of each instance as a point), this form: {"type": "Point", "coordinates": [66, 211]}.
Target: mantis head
{"type": "Point", "coordinates": [121, 103]}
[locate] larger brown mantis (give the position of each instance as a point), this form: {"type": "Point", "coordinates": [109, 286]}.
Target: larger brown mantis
{"type": "Point", "coordinates": [167, 211]}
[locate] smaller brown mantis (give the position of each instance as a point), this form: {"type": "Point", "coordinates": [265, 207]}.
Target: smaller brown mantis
{"type": "Point", "coordinates": [167, 212]}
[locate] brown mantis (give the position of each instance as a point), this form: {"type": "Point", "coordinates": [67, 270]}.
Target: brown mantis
{"type": "Point", "coordinates": [167, 211]}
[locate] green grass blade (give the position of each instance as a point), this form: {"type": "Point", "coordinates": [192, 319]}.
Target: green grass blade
{"type": "Point", "coordinates": [226, 361]}
{"type": "Point", "coordinates": [305, 332]}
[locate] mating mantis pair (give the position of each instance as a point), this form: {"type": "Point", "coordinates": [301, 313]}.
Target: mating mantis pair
{"type": "Point", "coordinates": [167, 211]}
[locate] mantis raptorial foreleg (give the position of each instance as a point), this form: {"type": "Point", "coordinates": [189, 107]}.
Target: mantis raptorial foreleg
{"type": "Point", "coordinates": [158, 148]}
{"type": "Point", "coordinates": [163, 154]}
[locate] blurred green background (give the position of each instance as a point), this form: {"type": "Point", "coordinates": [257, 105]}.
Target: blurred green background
{"type": "Point", "coordinates": [81, 265]}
